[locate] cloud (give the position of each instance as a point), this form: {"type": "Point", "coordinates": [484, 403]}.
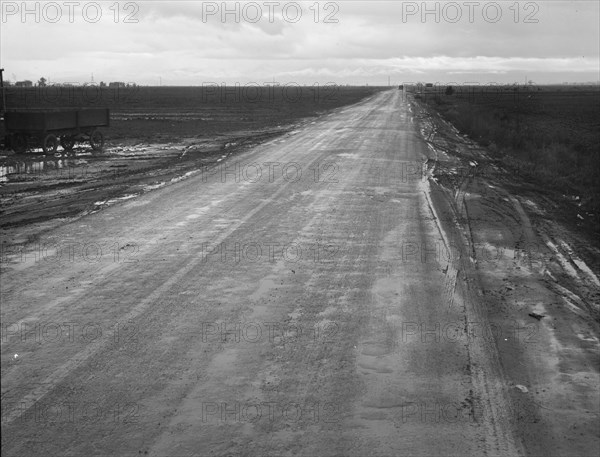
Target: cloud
{"type": "Point", "coordinates": [191, 39]}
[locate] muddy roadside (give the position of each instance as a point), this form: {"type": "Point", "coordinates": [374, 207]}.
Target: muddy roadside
{"type": "Point", "coordinates": [38, 192]}
{"type": "Point", "coordinates": [533, 267]}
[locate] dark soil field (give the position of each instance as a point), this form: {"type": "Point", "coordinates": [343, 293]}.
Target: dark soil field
{"type": "Point", "coordinates": [168, 113]}
{"type": "Point", "coordinates": [549, 135]}
{"type": "Point", "coordinates": [156, 135]}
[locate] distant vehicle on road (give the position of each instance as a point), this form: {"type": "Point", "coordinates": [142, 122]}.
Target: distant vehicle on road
{"type": "Point", "coordinates": [46, 128]}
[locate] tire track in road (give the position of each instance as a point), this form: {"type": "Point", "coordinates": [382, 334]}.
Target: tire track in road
{"type": "Point", "coordinates": [491, 400]}
{"type": "Point", "coordinates": [369, 289]}
{"type": "Point", "coordinates": [321, 289]}
{"type": "Point", "coordinates": [490, 394]}
{"type": "Point", "coordinates": [62, 372]}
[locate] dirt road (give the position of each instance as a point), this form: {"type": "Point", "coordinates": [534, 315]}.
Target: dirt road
{"type": "Point", "coordinates": [313, 296]}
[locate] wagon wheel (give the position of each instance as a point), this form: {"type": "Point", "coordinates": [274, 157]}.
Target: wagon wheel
{"type": "Point", "coordinates": [67, 142]}
{"type": "Point", "coordinates": [19, 143]}
{"type": "Point", "coordinates": [50, 144]}
{"type": "Point", "coordinates": [97, 140]}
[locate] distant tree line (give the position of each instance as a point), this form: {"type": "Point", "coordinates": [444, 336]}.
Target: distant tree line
{"type": "Point", "coordinates": [43, 82]}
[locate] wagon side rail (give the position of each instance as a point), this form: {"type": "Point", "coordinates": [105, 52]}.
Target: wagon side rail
{"type": "Point", "coordinates": [47, 126]}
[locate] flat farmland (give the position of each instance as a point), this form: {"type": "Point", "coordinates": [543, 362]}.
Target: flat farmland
{"type": "Point", "coordinates": [167, 113]}
{"type": "Point", "coordinates": [547, 137]}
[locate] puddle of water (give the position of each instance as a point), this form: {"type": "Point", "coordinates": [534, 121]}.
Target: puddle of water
{"type": "Point", "coordinates": [65, 168]}
{"type": "Point", "coordinates": [573, 307]}
{"type": "Point", "coordinates": [154, 186]}
{"type": "Point", "coordinates": [189, 173]}
{"type": "Point", "coordinates": [532, 205]}
{"type": "Point", "coordinates": [115, 200]}
{"type": "Point", "coordinates": [564, 263]}
{"type": "Point", "coordinates": [580, 263]}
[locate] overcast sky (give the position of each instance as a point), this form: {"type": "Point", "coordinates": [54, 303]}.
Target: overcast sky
{"type": "Point", "coordinates": [347, 42]}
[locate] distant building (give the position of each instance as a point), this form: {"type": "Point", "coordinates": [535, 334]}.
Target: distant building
{"type": "Point", "coordinates": [116, 84]}
{"type": "Point", "coordinates": [25, 83]}
{"type": "Point", "coordinates": [429, 85]}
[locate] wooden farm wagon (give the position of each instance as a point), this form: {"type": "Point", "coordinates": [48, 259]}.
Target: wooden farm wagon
{"type": "Point", "coordinates": [46, 128]}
